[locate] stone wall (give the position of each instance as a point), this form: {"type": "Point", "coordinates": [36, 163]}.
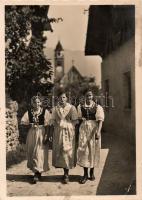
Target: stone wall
{"type": "Point", "coordinates": [12, 133]}
{"type": "Point", "coordinates": [15, 152]}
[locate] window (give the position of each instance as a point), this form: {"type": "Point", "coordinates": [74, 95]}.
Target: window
{"type": "Point", "coordinates": [59, 62]}
{"type": "Point", "coordinates": [106, 90]}
{"type": "Point", "coordinates": [106, 86]}
{"type": "Point", "coordinates": [127, 90]}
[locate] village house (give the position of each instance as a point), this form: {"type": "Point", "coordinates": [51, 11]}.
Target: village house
{"type": "Point", "coordinates": [111, 34]}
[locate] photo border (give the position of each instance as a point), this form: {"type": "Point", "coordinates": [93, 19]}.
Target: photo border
{"type": "Point", "coordinates": [138, 96]}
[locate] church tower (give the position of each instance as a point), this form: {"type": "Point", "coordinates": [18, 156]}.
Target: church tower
{"type": "Point", "coordinates": [59, 61]}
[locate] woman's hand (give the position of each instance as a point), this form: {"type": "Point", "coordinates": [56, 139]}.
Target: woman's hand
{"type": "Point", "coordinates": [98, 133]}
{"type": "Point", "coordinates": [83, 147]}
{"type": "Point", "coordinates": [97, 136]}
{"type": "Point", "coordinates": [45, 139]}
{"type": "Point", "coordinates": [50, 139]}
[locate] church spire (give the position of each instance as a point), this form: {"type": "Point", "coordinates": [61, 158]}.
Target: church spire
{"type": "Point", "coordinates": [59, 46]}
{"type": "Point", "coordinates": [59, 61]}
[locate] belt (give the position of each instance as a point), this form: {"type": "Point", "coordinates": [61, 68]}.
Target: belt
{"type": "Point", "coordinates": [36, 125]}
{"type": "Point", "coordinates": [89, 119]}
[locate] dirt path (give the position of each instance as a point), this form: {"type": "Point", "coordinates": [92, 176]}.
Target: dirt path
{"type": "Point", "coordinates": [19, 177]}
{"type": "Point", "coordinates": [112, 177]}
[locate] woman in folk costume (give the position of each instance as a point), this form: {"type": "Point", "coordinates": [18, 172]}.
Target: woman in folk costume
{"type": "Point", "coordinates": [91, 116]}
{"type": "Point", "coordinates": [37, 151]}
{"type": "Point", "coordinates": [64, 117]}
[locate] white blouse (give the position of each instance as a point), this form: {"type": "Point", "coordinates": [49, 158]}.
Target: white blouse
{"type": "Point", "coordinates": [99, 113]}
{"type": "Point", "coordinates": [47, 117]}
{"type": "Point", "coordinates": [63, 112]}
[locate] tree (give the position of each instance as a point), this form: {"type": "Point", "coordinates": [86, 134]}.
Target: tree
{"type": "Point", "coordinates": [76, 90]}
{"type": "Point", "coordinates": [26, 63]}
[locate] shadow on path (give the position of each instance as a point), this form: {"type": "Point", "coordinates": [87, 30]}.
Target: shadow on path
{"type": "Point", "coordinates": [18, 178]}
{"type": "Point", "coordinates": [28, 178]}
{"type": "Point", "coordinates": [119, 170]}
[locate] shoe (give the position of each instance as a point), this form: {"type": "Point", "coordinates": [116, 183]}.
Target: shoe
{"type": "Point", "coordinates": [65, 179]}
{"type": "Point", "coordinates": [35, 179]}
{"type": "Point", "coordinates": [38, 175]}
{"type": "Point", "coordinates": [83, 180]}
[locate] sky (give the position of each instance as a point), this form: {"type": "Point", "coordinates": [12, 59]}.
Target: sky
{"type": "Point", "coordinates": [72, 34]}
{"type": "Point", "coordinates": [72, 30]}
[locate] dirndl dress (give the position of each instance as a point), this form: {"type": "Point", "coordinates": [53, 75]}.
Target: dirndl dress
{"type": "Point", "coordinates": [88, 152]}
{"type": "Point", "coordinates": [63, 152]}
{"type": "Point", "coordinates": [37, 152]}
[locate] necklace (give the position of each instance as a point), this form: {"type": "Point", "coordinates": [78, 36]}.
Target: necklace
{"type": "Point", "coordinates": [92, 103]}
{"type": "Point", "coordinates": [36, 115]}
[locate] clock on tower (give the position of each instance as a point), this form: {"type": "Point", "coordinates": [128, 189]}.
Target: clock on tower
{"type": "Point", "coordinates": [59, 61]}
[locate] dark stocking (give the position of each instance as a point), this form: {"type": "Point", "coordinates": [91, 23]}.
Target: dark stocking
{"type": "Point", "coordinates": [85, 177]}
{"type": "Point", "coordinates": [66, 176]}
{"type": "Point", "coordinates": [92, 177]}
{"type": "Point", "coordinates": [66, 172]}
{"type": "Point", "coordinates": [85, 172]}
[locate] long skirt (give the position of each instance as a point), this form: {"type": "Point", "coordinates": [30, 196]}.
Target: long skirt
{"type": "Point", "coordinates": [37, 153]}
{"type": "Point", "coordinates": [63, 155]}
{"type": "Point", "coordinates": [88, 153]}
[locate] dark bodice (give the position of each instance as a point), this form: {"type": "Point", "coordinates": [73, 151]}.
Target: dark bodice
{"type": "Point", "coordinates": [89, 113]}
{"type": "Point", "coordinates": [39, 119]}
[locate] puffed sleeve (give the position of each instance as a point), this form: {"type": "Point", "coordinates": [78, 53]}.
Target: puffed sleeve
{"type": "Point", "coordinates": [79, 111]}
{"type": "Point", "coordinates": [53, 116]}
{"type": "Point", "coordinates": [99, 113]}
{"type": "Point", "coordinates": [25, 119]}
{"type": "Point", "coordinates": [47, 117]}
{"type": "Point", "coordinates": [74, 115]}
